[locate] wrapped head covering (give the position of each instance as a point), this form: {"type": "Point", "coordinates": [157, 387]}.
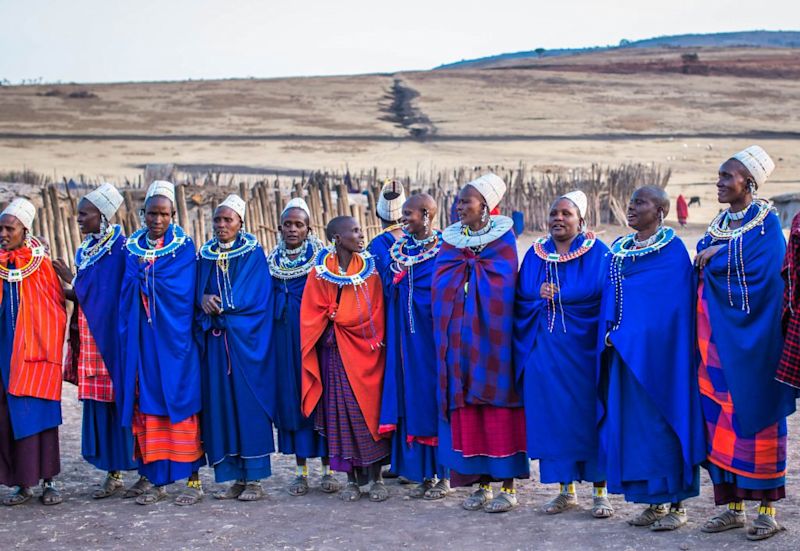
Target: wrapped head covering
{"type": "Point", "coordinates": [297, 203]}
{"type": "Point", "coordinates": [757, 162]}
{"type": "Point", "coordinates": [23, 210]}
{"type": "Point", "coordinates": [579, 198]}
{"type": "Point", "coordinates": [163, 188]}
{"type": "Point", "coordinates": [391, 209]}
{"type": "Point", "coordinates": [492, 187]}
{"type": "Point", "coordinates": [107, 200]}
{"type": "Point", "coordinates": [236, 204]}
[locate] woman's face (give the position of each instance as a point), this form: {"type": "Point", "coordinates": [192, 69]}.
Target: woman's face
{"type": "Point", "coordinates": [470, 207]}
{"type": "Point", "coordinates": [158, 212]}
{"type": "Point", "coordinates": [732, 186]}
{"type": "Point", "coordinates": [294, 227]}
{"type": "Point", "coordinates": [413, 219]}
{"type": "Point", "coordinates": [564, 220]}
{"type": "Point", "coordinates": [643, 211]}
{"type": "Point", "coordinates": [350, 237]}
{"type": "Point", "coordinates": [89, 217]}
{"type": "Point", "coordinates": [226, 224]}
{"type": "Point", "coordinates": [12, 232]}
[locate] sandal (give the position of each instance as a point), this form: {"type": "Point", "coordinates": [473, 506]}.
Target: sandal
{"type": "Point", "coordinates": [50, 495]}
{"type": "Point", "coordinates": [420, 490]}
{"type": "Point", "coordinates": [440, 491]}
{"type": "Point", "coordinates": [140, 486]}
{"type": "Point", "coordinates": [351, 492]}
{"type": "Point", "coordinates": [724, 521]}
{"type": "Point", "coordinates": [649, 515]}
{"type": "Point", "coordinates": [389, 474]}
{"type": "Point", "coordinates": [152, 495]}
{"type": "Point", "coordinates": [601, 507]}
{"type": "Point", "coordinates": [329, 484]}
{"type": "Point", "coordinates": [378, 492]}
{"type": "Point", "coordinates": [189, 496]}
{"type": "Point", "coordinates": [252, 492]}
{"type": "Point", "coordinates": [560, 503]}
{"type": "Point", "coordinates": [233, 491]}
{"type": "Point", "coordinates": [763, 527]}
{"type": "Point", "coordinates": [671, 521]}
{"type": "Point", "coordinates": [298, 487]}
{"type": "Point", "coordinates": [478, 499]}
{"type": "Point", "coordinates": [18, 496]}
{"type": "Point", "coordinates": [110, 486]}
{"type": "Point", "coordinates": [504, 502]}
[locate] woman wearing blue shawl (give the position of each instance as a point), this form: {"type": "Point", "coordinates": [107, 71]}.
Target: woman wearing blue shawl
{"type": "Point", "coordinates": [234, 328]}
{"type": "Point", "coordinates": [739, 337]}
{"type": "Point", "coordinates": [289, 264]}
{"type": "Point", "coordinates": [159, 396]}
{"type": "Point", "coordinates": [389, 211]}
{"type": "Point", "coordinates": [408, 405]}
{"type": "Point", "coordinates": [93, 360]}
{"type": "Point", "coordinates": [651, 427]}
{"type": "Point", "coordinates": [556, 314]}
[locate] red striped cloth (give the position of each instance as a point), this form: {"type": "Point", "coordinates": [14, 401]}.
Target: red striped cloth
{"type": "Point", "coordinates": [94, 382]}
{"type": "Point", "coordinates": [156, 438]}
{"type": "Point", "coordinates": [789, 369]}
{"type": "Point", "coordinates": [488, 430]}
{"type": "Point", "coordinates": [36, 358]}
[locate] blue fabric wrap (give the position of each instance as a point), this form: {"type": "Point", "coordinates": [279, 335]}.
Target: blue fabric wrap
{"type": "Point", "coordinates": [98, 288]}
{"type": "Point", "coordinates": [104, 442]}
{"type": "Point", "coordinates": [379, 247]}
{"type": "Point", "coordinates": [750, 345]}
{"type": "Point", "coordinates": [656, 343]}
{"type": "Point", "coordinates": [28, 415]}
{"type": "Point", "coordinates": [163, 355]}
{"type": "Point", "coordinates": [557, 370]}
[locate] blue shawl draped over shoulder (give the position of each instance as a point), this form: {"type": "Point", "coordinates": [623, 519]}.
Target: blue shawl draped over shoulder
{"type": "Point", "coordinates": [656, 340]}
{"type": "Point", "coordinates": [247, 326]}
{"type": "Point", "coordinates": [557, 369]}
{"type": "Point", "coordinates": [170, 288]}
{"type": "Point", "coordinates": [98, 289]}
{"type": "Point", "coordinates": [750, 345]}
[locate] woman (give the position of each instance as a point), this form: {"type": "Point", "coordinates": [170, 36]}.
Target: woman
{"type": "Point", "coordinates": [93, 359]}
{"type": "Point", "coordinates": [32, 321]}
{"type": "Point", "coordinates": [341, 336]}
{"type": "Point", "coordinates": [651, 429]}
{"type": "Point", "coordinates": [739, 297]}
{"type": "Point", "coordinates": [290, 263]}
{"type": "Point", "coordinates": [481, 421]}
{"type": "Point", "coordinates": [556, 316]}
{"type": "Point", "coordinates": [160, 393]}
{"type": "Point", "coordinates": [234, 327]}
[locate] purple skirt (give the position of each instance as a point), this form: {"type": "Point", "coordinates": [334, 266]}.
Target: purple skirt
{"type": "Point", "coordinates": [350, 444]}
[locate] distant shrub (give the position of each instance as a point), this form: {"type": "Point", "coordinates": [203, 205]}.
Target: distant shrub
{"type": "Point", "coordinates": [81, 94]}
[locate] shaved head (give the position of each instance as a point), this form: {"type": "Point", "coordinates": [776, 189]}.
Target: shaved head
{"type": "Point", "coordinates": [422, 201]}
{"type": "Point", "coordinates": [338, 225]}
{"type": "Point", "coordinates": [657, 195]}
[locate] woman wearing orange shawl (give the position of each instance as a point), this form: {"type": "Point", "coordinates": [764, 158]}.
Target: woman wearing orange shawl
{"type": "Point", "coordinates": [341, 336]}
{"type": "Point", "coordinates": [32, 323]}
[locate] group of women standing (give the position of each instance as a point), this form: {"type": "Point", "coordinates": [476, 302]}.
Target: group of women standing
{"type": "Point", "coordinates": [627, 367]}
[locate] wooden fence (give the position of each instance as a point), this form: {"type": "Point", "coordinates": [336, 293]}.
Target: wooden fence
{"type": "Point", "coordinates": [331, 194]}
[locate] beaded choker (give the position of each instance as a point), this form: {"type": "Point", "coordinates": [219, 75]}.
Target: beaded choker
{"type": "Point", "coordinates": [399, 249]}
{"type": "Point", "coordinates": [16, 275]}
{"type": "Point", "coordinates": [87, 254]}
{"type": "Point", "coordinates": [341, 280]}
{"type": "Point", "coordinates": [282, 268]}
{"type": "Point", "coordinates": [538, 248]}
{"type": "Point", "coordinates": [214, 250]}
{"type": "Point", "coordinates": [718, 229]}
{"type": "Point", "coordinates": [454, 234]}
{"type": "Point", "coordinates": [132, 244]}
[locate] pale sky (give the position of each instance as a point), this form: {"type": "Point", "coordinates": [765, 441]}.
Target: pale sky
{"type": "Point", "coordinates": [115, 40]}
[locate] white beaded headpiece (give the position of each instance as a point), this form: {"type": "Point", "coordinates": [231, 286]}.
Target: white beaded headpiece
{"type": "Point", "coordinates": [492, 187]}
{"type": "Point", "coordinates": [236, 204]}
{"type": "Point", "coordinates": [23, 210]}
{"type": "Point", "coordinates": [757, 162]}
{"type": "Point", "coordinates": [107, 200]}
{"type": "Point", "coordinates": [163, 188]}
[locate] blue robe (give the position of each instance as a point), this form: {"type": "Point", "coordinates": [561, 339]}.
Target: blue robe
{"type": "Point", "coordinates": [410, 381]}
{"type": "Point", "coordinates": [105, 443]}
{"type": "Point", "coordinates": [296, 433]}
{"type": "Point", "coordinates": [160, 359]}
{"type": "Point", "coordinates": [651, 427]}
{"type": "Point", "coordinates": [379, 247]}
{"type": "Point", "coordinates": [238, 377]}
{"type": "Point", "coordinates": [558, 369]}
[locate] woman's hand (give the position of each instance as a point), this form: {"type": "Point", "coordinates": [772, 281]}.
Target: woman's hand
{"type": "Point", "coordinates": [62, 270]}
{"type": "Point", "coordinates": [212, 305]}
{"type": "Point", "coordinates": [548, 291]}
{"type": "Point", "coordinates": [704, 256]}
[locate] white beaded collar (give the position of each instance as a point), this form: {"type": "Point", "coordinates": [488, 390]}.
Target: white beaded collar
{"type": "Point", "coordinates": [454, 236]}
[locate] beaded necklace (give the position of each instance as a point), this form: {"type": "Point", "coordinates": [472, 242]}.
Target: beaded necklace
{"type": "Point", "coordinates": [551, 270]}
{"type": "Point", "coordinates": [282, 267]}
{"type": "Point", "coordinates": [16, 275]}
{"type": "Point", "coordinates": [151, 253]}
{"type": "Point", "coordinates": [87, 254]}
{"type": "Point", "coordinates": [408, 261]}
{"type": "Point", "coordinates": [624, 248]}
{"type": "Point", "coordinates": [719, 230]}
{"type": "Point", "coordinates": [221, 256]}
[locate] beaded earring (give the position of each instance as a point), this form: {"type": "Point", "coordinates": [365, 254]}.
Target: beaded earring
{"type": "Point", "coordinates": [103, 225]}
{"type": "Point", "coordinates": [485, 213]}
{"type": "Point", "coordinates": [660, 218]}
{"type": "Point", "coordinates": [141, 218]}
{"type": "Point", "coordinates": [751, 186]}
{"type": "Point", "coordinates": [425, 221]}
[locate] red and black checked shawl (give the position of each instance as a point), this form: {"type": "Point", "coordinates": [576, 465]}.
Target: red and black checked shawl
{"type": "Point", "coordinates": [473, 330]}
{"type": "Point", "coordinates": [789, 368]}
